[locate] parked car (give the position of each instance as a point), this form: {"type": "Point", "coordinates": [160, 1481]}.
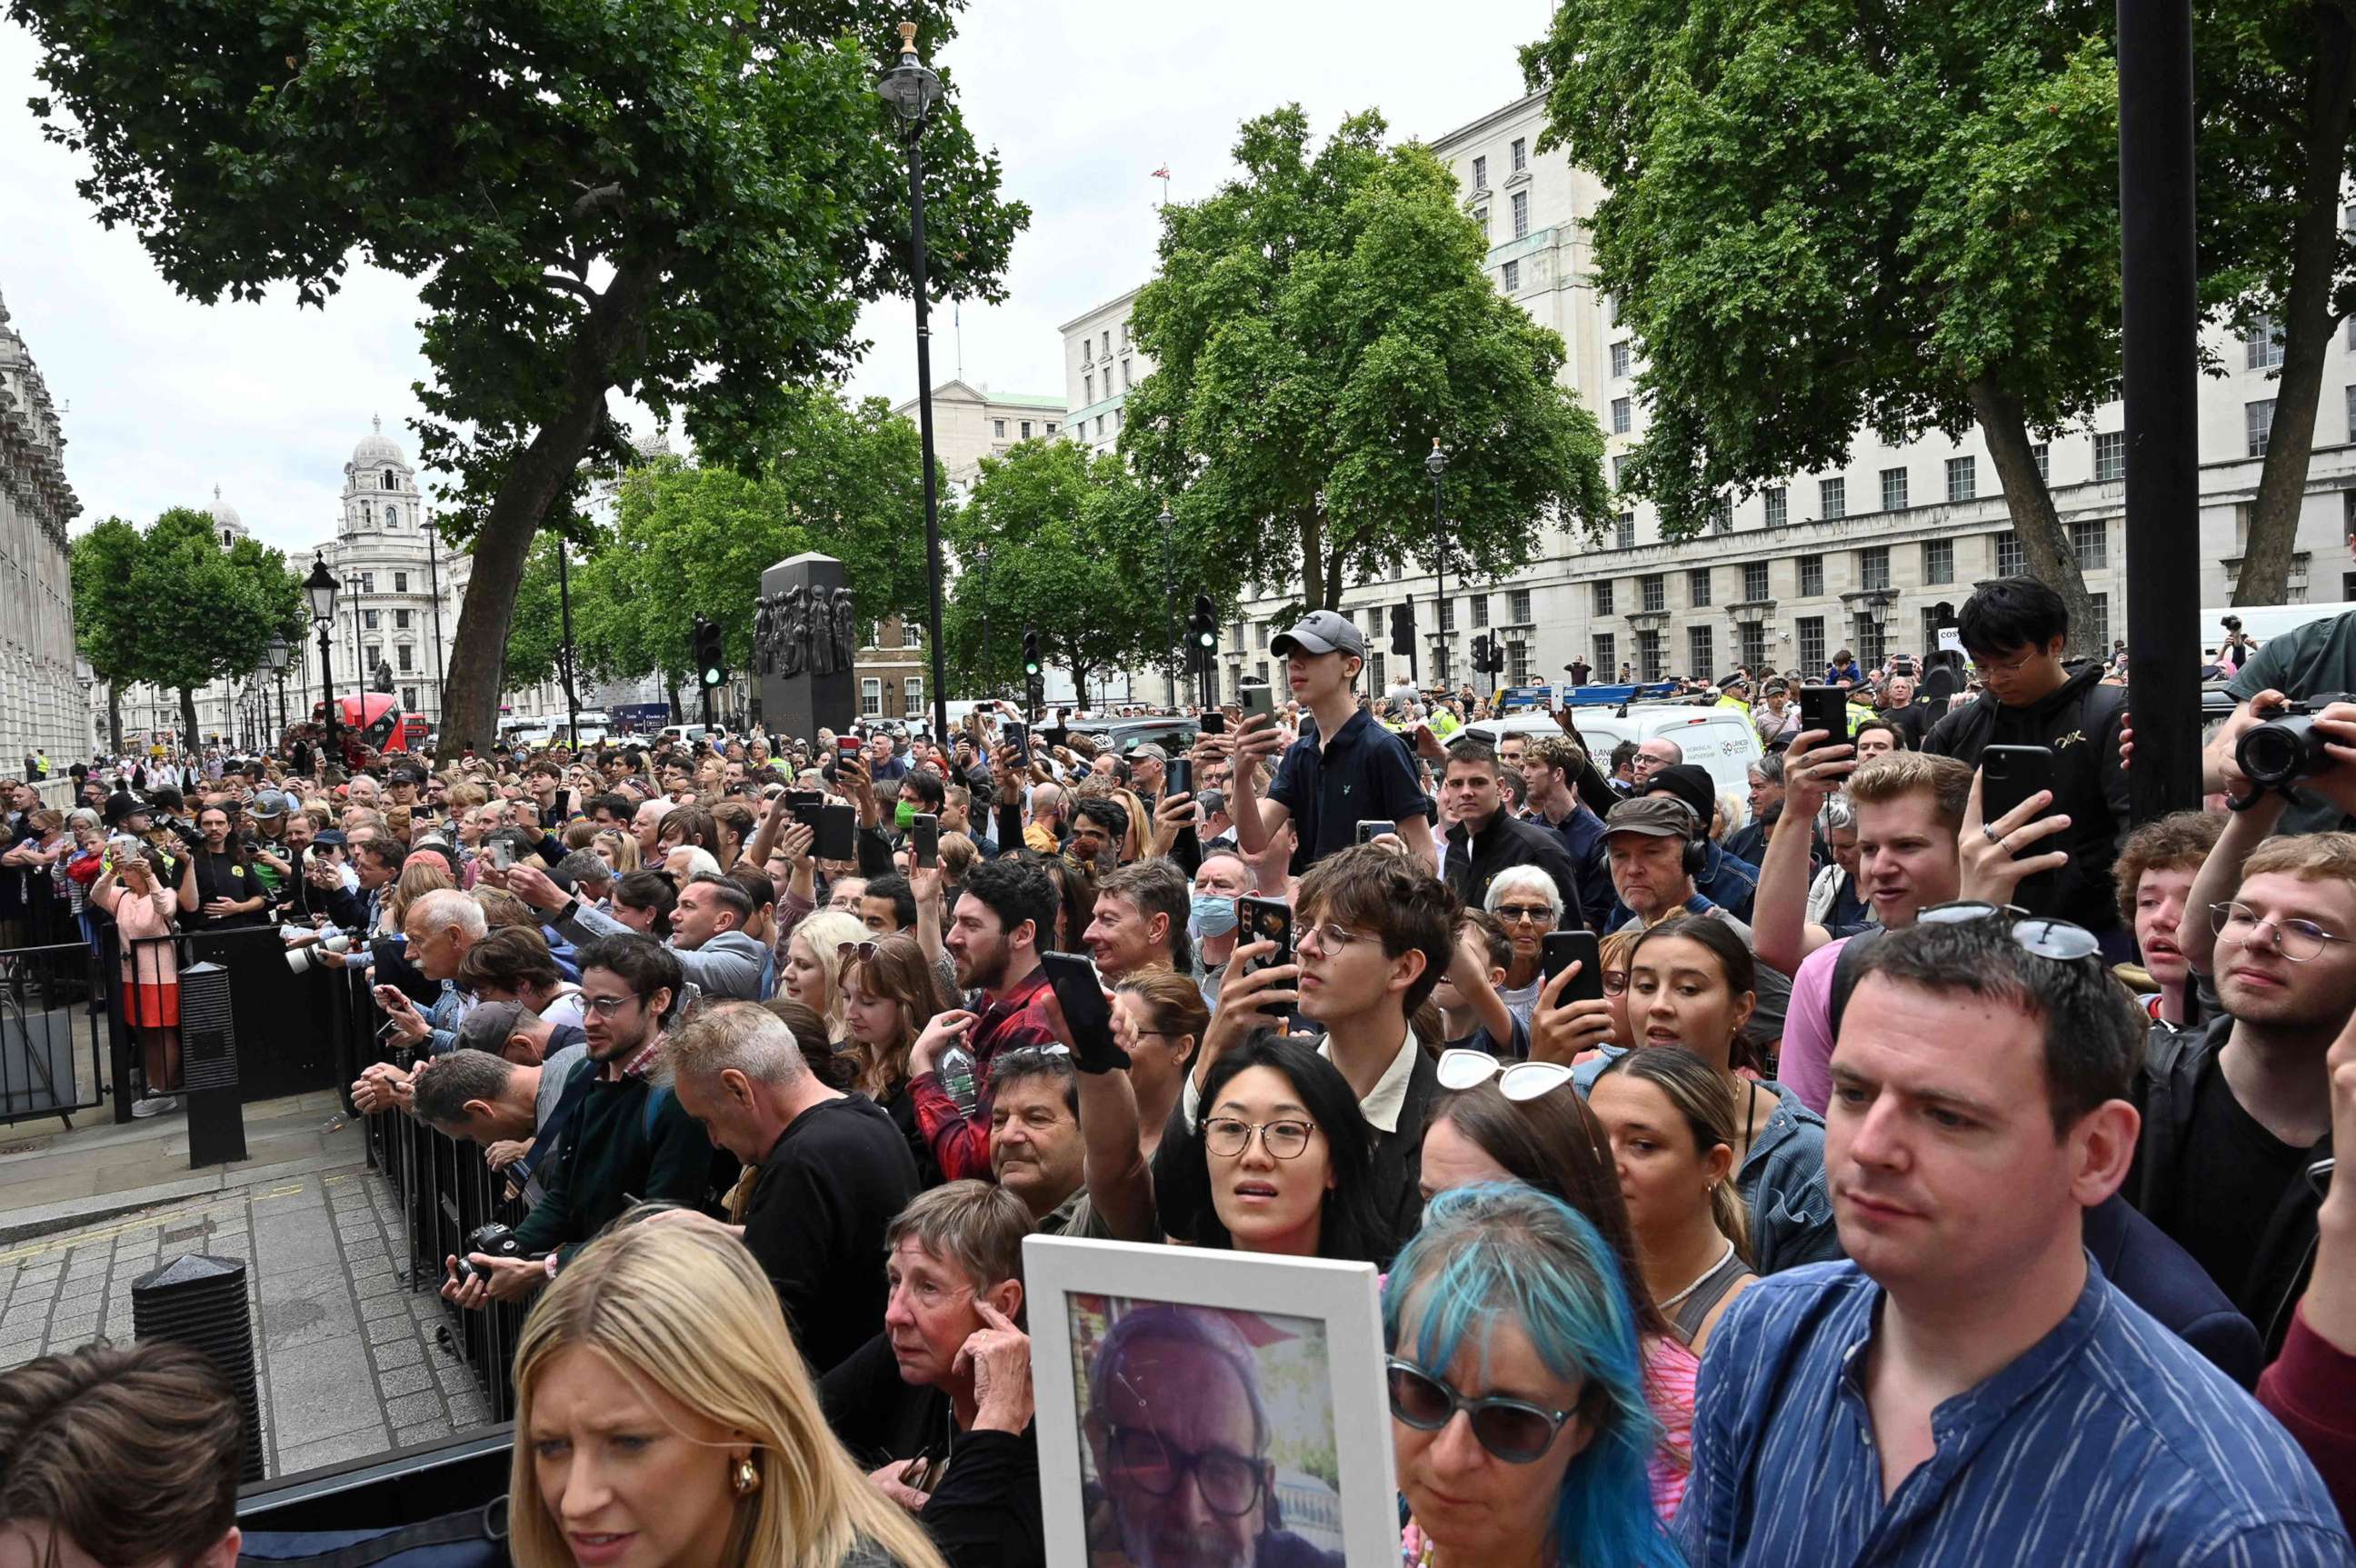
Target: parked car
{"type": "Point", "coordinates": [1719, 740]}
{"type": "Point", "coordinates": [1174, 733]}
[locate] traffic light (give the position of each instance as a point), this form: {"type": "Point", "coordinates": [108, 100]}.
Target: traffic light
{"type": "Point", "coordinates": [711, 664]}
{"type": "Point", "coordinates": [1480, 655]}
{"type": "Point", "coordinates": [1031, 663]}
{"type": "Point", "coordinates": [1203, 626]}
{"type": "Point", "coordinates": [1403, 629]}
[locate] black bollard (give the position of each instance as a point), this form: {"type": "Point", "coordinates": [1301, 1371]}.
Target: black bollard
{"type": "Point", "coordinates": [200, 1301]}
{"type": "Point", "coordinates": [209, 1067]}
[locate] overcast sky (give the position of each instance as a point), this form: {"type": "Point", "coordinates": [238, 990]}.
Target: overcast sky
{"type": "Point", "coordinates": [165, 399]}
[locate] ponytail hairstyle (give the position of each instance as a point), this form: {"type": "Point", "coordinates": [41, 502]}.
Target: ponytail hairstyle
{"type": "Point", "coordinates": [1702, 1096]}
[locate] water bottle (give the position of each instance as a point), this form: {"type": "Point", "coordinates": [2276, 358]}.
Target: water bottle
{"type": "Point", "coordinates": [956, 1070]}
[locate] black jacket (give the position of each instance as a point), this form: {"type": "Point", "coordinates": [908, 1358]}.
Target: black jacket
{"type": "Point", "coordinates": [2166, 1091]}
{"type": "Point", "coordinates": [2079, 720]}
{"type": "Point", "coordinates": [2151, 1270]}
{"type": "Point", "coordinates": [1505, 841]}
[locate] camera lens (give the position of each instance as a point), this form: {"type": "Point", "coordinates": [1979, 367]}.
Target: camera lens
{"type": "Point", "coordinates": [2271, 754]}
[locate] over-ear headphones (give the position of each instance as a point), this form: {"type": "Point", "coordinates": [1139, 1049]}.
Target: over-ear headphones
{"type": "Point", "coordinates": [1697, 846]}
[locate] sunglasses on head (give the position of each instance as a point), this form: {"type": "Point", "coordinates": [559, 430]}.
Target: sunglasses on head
{"type": "Point", "coordinates": [1514, 1431]}
{"type": "Point", "coordinates": [2057, 940]}
{"type": "Point", "coordinates": [1462, 1069]}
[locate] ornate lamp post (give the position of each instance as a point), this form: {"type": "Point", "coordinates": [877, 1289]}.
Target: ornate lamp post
{"type": "Point", "coordinates": [321, 587]}
{"type": "Point", "coordinates": [1436, 465]}
{"type": "Point", "coordinates": [277, 654]}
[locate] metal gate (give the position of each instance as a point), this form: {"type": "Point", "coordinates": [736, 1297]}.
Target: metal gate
{"type": "Point", "coordinates": [55, 1037]}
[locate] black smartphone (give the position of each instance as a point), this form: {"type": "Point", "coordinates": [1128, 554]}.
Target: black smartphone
{"type": "Point", "coordinates": [1178, 778]}
{"type": "Point", "coordinates": [2011, 774]}
{"type": "Point", "coordinates": [1826, 708]}
{"type": "Point", "coordinates": [805, 804]}
{"type": "Point", "coordinates": [1079, 991]}
{"type": "Point", "coordinates": [924, 833]}
{"type": "Point", "coordinates": [1560, 949]}
{"type": "Point", "coordinates": [1266, 920]}
{"type": "Point", "coordinates": [1017, 738]}
{"type": "Point", "coordinates": [1372, 828]}
{"type": "Point", "coordinates": [1258, 697]}
{"type": "Point", "coordinates": [1214, 722]}
{"type": "Point", "coordinates": [838, 833]}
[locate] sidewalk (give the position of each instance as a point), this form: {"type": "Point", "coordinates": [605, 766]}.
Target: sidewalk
{"type": "Point", "coordinates": [350, 1361]}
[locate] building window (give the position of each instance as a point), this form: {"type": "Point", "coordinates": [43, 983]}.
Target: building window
{"type": "Point", "coordinates": [1607, 656]}
{"type": "Point", "coordinates": [871, 698]}
{"type": "Point", "coordinates": [2261, 346]}
{"type": "Point", "coordinates": [1603, 597]}
{"type": "Point", "coordinates": [1521, 213]}
{"type": "Point", "coordinates": [1125, 380]}
{"type": "Point", "coordinates": [1652, 591]}
{"type": "Point", "coordinates": [912, 688]}
{"type": "Point", "coordinates": [404, 657]}
{"type": "Point", "coordinates": [1752, 638]}
{"type": "Point", "coordinates": [2041, 455]}
{"type": "Point", "coordinates": [1481, 216]}
{"type": "Point", "coordinates": [1087, 394]}
{"type": "Point", "coordinates": [1963, 479]}
{"type": "Point", "coordinates": [2110, 457]}
{"type": "Point", "coordinates": [409, 698]}
{"type": "Point", "coordinates": [386, 483]}
{"type": "Point", "coordinates": [1873, 566]}
{"type": "Point", "coordinates": [1521, 154]}
{"type": "Point", "coordinates": [1812, 575]}
{"type": "Point", "coordinates": [1722, 515]}
{"type": "Point", "coordinates": [1832, 498]}
{"type": "Point", "coordinates": [2099, 621]}
{"type": "Point", "coordinates": [1754, 581]}
{"type": "Point", "coordinates": [1698, 587]}
{"type": "Point", "coordinates": [1124, 334]}
{"type": "Point", "coordinates": [401, 621]}
{"type": "Point", "coordinates": [1812, 643]}
{"type": "Point", "coordinates": [1620, 354]}
{"type": "Point", "coordinates": [1025, 426]}
{"type": "Point", "coordinates": [1479, 603]}
{"type": "Point", "coordinates": [1108, 342]}
{"type": "Point", "coordinates": [1893, 490]}
{"type": "Point", "coordinates": [1447, 615]}
{"type": "Point", "coordinates": [1375, 683]}
{"type": "Point", "coordinates": [1869, 642]}
{"type": "Point", "coordinates": [400, 582]}
{"type": "Point", "coordinates": [2091, 543]}
{"type": "Point", "coordinates": [1649, 663]}
{"type": "Point", "coordinates": [1479, 174]}
{"type": "Point", "coordinates": [1701, 657]}
{"type": "Point", "coordinates": [1510, 274]}
{"type": "Point", "coordinates": [1618, 468]}
{"type": "Point", "coordinates": [2257, 423]}
{"type": "Point", "coordinates": [1778, 505]}
{"type": "Point", "coordinates": [1622, 415]}
{"type": "Point", "coordinates": [372, 656]}
{"type": "Point", "coordinates": [2012, 560]}
{"type": "Point", "coordinates": [1517, 663]}
{"type": "Point", "coordinates": [1624, 531]}
{"type": "Point", "coordinates": [1440, 671]}
{"type": "Point", "coordinates": [368, 620]}
{"type": "Point", "coordinates": [368, 582]}
{"type": "Point", "coordinates": [1939, 561]}
{"type": "Point", "coordinates": [1051, 427]}
{"type": "Point", "coordinates": [998, 426]}
{"type": "Point", "coordinates": [1520, 601]}
{"type": "Point", "coordinates": [392, 517]}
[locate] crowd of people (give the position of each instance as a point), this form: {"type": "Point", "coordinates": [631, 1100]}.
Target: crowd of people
{"type": "Point", "coordinates": [1928, 1174]}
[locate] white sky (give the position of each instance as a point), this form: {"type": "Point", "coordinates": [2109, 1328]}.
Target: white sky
{"type": "Point", "coordinates": [165, 398]}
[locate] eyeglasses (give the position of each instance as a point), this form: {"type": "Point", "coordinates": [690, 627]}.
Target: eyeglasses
{"type": "Point", "coordinates": [2057, 940]}
{"type": "Point", "coordinates": [1461, 1069]}
{"type": "Point", "coordinates": [1514, 1431]}
{"type": "Point", "coordinates": [845, 951]}
{"type": "Point", "coordinates": [1535, 914]}
{"type": "Point", "coordinates": [2298, 941]}
{"type": "Point", "coordinates": [1230, 1483]}
{"type": "Point", "coordinates": [1615, 981]}
{"type": "Point", "coordinates": [1330, 937]}
{"type": "Point", "coordinates": [1228, 1138]}
{"type": "Point", "coordinates": [2009, 667]}
{"type": "Point", "coordinates": [606, 1006]}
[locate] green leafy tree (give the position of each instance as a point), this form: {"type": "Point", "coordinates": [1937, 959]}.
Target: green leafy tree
{"type": "Point", "coordinates": [107, 613]}
{"type": "Point", "coordinates": [686, 203]}
{"type": "Point", "coordinates": [207, 614]}
{"type": "Point", "coordinates": [2276, 87]}
{"type": "Point", "coordinates": [1831, 216]}
{"type": "Point", "coordinates": [536, 632]}
{"type": "Point", "coordinates": [1316, 325]}
{"type": "Point", "coordinates": [1055, 539]}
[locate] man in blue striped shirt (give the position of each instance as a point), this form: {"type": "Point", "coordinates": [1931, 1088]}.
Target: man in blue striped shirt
{"type": "Point", "coordinates": [1968, 1388]}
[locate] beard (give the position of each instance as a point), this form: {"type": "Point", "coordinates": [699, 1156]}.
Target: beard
{"type": "Point", "coordinates": [1145, 1548]}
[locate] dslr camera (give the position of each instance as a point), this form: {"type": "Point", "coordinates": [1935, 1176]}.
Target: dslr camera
{"type": "Point", "coordinates": [493, 1240]}
{"type": "Point", "coordinates": [2286, 748]}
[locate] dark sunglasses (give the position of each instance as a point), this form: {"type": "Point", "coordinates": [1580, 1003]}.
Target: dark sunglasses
{"type": "Point", "coordinates": [1514, 1431]}
{"type": "Point", "coordinates": [845, 952]}
{"type": "Point", "coordinates": [2057, 940]}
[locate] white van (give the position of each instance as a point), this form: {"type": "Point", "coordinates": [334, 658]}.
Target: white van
{"type": "Point", "coordinates": [2263, 622]}
{"type": "Point", "coordinates": [1718, 740]}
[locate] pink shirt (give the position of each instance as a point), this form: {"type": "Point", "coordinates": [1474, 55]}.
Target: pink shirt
{"type": "Point", "coordinates": [1804, 1066]}
{"type": "Point", "coordinates": [150, 915]}
{"type": "Point", "coordinates": [1669, 1371]}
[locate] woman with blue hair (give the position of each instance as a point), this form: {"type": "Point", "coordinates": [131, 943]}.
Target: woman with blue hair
{"type": "Point", "coordinates": [1516, 1388]}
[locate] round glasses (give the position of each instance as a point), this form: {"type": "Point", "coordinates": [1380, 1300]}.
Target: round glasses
{"type": "Point", "coordinates": [1228, 1138]}
{"type": "Point", "coordinates": [1229, 1483]}
{"type": "Point", "coordinates": [1514, 1431]}
{"type": "Point", "coordinates": [2298, 941]}
{"type": "Point", "coordinates": [1461, 1069]}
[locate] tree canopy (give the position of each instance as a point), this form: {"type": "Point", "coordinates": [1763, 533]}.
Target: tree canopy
{"type": "Point", "coordinates": [1315, 326]}
{"type": "Point", "coordinates": [1826, 216]}
{"type": "Point", "coordinates": [685, 202]}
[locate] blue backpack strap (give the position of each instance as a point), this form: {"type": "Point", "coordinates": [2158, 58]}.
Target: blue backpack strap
{"type": "Point", "coordinates": [657, 1098]}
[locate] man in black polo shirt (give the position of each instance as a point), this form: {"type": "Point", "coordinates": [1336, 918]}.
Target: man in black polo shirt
{"type": "Point", "coordinates": [1345, 768]}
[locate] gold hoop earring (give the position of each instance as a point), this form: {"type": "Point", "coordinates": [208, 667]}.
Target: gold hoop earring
{"type": "Point", "coordinates": [745, 1479]}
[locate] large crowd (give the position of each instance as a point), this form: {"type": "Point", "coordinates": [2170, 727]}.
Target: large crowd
{"type": "Point", "coordinates": [1912, 1160]}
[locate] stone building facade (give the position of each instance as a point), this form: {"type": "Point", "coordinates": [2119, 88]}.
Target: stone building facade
{"type": "Point", "coordinates": [43, 700]}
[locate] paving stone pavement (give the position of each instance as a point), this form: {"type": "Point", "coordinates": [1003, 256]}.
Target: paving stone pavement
{"type": "Point", "coordinates": [349, 1363]}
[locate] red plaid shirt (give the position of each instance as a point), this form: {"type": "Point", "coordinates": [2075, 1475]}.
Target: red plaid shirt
{"type": "Point", "coordinates": [1010, 1021]}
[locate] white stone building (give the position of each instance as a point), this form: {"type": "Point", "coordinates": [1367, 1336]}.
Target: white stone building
{"type": "Point", "coordinates": [1854, 557]}
{"type": "Point", "coordinates": [43, 701]}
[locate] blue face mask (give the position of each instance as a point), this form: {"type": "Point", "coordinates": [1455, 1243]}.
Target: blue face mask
{"type": "Point", "coordinates": [1215, 914]}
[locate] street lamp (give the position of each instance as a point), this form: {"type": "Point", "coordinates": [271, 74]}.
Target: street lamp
{"type": "Point", "coordinates": [320, 588]}
{"type": "Point", "coordinates": [276, 654]}
{"type": "Point", "coordinates": [912, 90]}
{"type": "Point", "coordinates": [1436, 465]}
{"type": "Point", "coordinates": [1169, 609]}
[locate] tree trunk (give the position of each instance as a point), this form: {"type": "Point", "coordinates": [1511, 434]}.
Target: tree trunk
{"type": "Point", "coordinates": [188, 717]}
{"type": "Point", "coordinates": [1314, 590]}
{"type": "Point", "coordinates": [670, 690]}
{"type": "Point", "coordinates": [533, 481]}
{"type": "Point", "coordinates": [115, 718]}
{"type": "Point", "coordinates": [2052, 558]}
{"type": "Point", "coordinates": [2307, 321]}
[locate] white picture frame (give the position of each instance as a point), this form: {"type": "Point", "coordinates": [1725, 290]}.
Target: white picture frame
{"type": "Point", "coordinates": [1342, 1299]}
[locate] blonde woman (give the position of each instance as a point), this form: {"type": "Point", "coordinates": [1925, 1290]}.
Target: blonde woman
{"type": "Point", "coordinates": [665, 1419]}
{"type": "Point", "coordinates": [815, 956]}
{"type": "Point", "coordinates": [617, 849]}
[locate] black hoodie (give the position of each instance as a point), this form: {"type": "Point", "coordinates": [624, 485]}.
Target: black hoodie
{"type": "Point", "coordinates": [2079, 722]}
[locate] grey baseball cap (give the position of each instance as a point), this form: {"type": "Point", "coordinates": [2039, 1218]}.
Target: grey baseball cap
{"type": "Point", "coordinates": [1148, 750]}
{"type": "Point", "coordinates": [269, 803]}
{"type": "Point", "coordinates": [1320, 631]}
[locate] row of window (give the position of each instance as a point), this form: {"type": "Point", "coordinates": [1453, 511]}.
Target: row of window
{"type": "Point", "coordinates": [1804, 648]}
{"type": "Point", "coordinates": [400, 585]}
{"type": "Point", "coordinates": [2089, 539]}
{"type": "Point", "coordinates": [1088, 345]}
{"type": "Point", "coordinates": [871, 697]}
{"type": "Point", "coordinates": [1519, 153]}
{"type": "Point", "coordinates": [1088, 384]}
{"type": "Point", "coordinates": [1962, 477]}
{"type": "Point", "coordinates": [998, 426]}
{"type": "Point", "coordinates": [1519, 205]}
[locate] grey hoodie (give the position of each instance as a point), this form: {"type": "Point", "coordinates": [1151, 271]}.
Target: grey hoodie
{"type": "Point", "coordinates": [729, 967]}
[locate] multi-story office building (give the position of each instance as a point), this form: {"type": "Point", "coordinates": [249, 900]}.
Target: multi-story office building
{"type": "Point", "coordinates": [42, 702]}
{"type": "Point", "coordinates": [1855, 558]}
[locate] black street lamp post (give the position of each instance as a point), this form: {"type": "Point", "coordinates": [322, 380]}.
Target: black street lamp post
{"type": "Point", "coordinates": [1169, 610]}
{"type": "Point", "coordinates": [1436, 465]}
{"type": "Point", "coordinates": [912, 90]}
{"type": "Point", "coordinates": [320, 587]}
{"type": "Point", "coordinates": [564, 604]}
{"type": "Point", "coordinates": [277, 653]}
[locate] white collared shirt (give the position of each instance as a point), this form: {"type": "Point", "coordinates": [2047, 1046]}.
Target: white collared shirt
{"type": "Point", "coordinates": [1381, 1107]}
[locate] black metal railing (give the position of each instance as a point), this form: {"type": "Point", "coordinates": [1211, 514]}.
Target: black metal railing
{"type": "Point", "coordinates": [55, 1057]}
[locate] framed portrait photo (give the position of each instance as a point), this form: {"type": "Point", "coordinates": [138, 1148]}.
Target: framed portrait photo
{"type": "Point", "coordinates": [1208, 1407]}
